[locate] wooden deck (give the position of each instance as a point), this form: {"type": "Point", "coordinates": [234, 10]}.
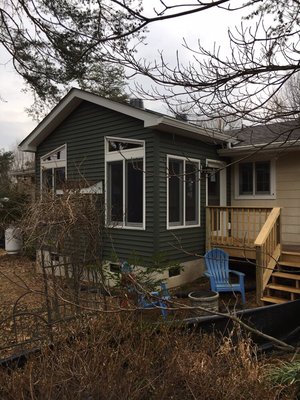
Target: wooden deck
{"type": "Point", "coordinates": [254, 233]}
{"type": "Point", "coordinates": [235, 229]}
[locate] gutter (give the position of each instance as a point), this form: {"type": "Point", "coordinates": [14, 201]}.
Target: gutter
{"type": "Point", "coordinates": [208, 134]}
{"type": "Point", "coordinates": [290, 145]}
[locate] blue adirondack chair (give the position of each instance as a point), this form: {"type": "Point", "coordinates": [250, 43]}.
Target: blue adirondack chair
{"type": "Point", "coordinates": [217, 264]}
{"type": "Point", "coordinates": [151, 300]}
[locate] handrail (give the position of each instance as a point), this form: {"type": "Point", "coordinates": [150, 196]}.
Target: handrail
{"type": "Point", "coordinates": [268, 250]}
{"type": "Point", "coordinates": [267, 227]}
{"type": "Point", "coordinates": [254, 230]}
{"type": "Point", "coordinates": [241, 207]}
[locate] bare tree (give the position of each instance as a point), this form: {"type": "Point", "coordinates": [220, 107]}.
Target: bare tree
{"type": "Point", "coordinates": [57, 44]}
{"type": "Point", "coordinates": [21, 161]}
{"type": "Point", "coordinates": [54, 45]}
{"type": "Point", "coordinates": [263, 57]}
{"type": "Point", "coordinates": [287, 100]}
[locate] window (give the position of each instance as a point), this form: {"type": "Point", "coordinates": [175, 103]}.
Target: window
{"type": "Point", "coordinates": [53, 169]}
{"type": "Point", "coordinates": [256, 179]}
{"type": "Point", "coordinates": [53, 178]}
{"type": "Point", "coordinates": [125, 183]}
{"type": "Point", "coordinates": [183, 192]}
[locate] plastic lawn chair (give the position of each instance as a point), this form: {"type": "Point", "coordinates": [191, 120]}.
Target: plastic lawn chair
{"type": "Point", "coordinates": [148, 300]}
{"type": "Point", "coordinates": [217, 264]}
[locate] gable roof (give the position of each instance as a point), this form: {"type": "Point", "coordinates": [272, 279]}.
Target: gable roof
{"type": "Point", "coordinates": [150, 119]}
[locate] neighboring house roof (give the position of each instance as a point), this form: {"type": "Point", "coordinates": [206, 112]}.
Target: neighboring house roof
{"type": "Point", "coordinates": [265, 137]}
{"type": "Point", "coordinates": [150, 119]}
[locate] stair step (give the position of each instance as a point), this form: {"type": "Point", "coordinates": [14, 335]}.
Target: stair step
{"type": "Point", "coordinates": [272, 299]}
{"type": "Point", "coordinates": [290, 256]}
{"type": "Point", "coordinates": [290, 253]}
{"type": "Point", "coordinates": [289, 264]}
{"type": "Point", "coordinates": [283, 288]}
{"type": "Point", "coordinates": [295, 277]}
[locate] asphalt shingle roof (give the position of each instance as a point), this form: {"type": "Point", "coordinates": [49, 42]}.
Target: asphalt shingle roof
{"type": "Point", "coordinates": [271, 133]}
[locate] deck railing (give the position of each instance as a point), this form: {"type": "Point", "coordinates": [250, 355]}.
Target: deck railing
{"type": "Point", "coordinates": [268, 250]}
{"type": "Point", "coordinates": [252, 232]}
{"type": "Point", "coordinates": [234, 226]}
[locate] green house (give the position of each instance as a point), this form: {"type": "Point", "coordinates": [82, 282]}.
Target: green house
{"type": "Point", "coordinates": [151, 170]}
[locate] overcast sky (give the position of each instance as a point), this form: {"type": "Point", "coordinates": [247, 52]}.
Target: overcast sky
{"type": "Point", "coordinates": [209, 26]}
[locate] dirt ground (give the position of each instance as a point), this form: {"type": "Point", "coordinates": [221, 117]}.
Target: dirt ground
{"type": "Point", "coordinates": [17, 278]}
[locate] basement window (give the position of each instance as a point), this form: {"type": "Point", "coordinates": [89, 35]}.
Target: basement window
{"type": "Point", "coordinates": [174, 271]}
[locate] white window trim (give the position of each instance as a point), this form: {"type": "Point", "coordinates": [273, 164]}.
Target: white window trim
{"type": "Point", "coordinates": [184, 226]}
{"type": "Point", "coordinates": [44, 165]}
{"type": "Point", "coordinates": [45, 156]}
{"type": "Point", "coordinates": [125, 155]}
{"type": "Point", "coordinates": [254, 196]}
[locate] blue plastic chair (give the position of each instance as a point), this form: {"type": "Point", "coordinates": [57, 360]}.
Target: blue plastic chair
{"type": "Point", "coordinates": [164, 293]}
{"type": "Point", "coordinates": [217, 264]}
{"type": "Point", "coordinates": [153, 299]}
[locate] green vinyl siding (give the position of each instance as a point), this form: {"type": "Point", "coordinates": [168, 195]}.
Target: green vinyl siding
{"type": "Point", "coordinates": [84, 130]}
{"type": "Point", "coordinates": [186, 243]}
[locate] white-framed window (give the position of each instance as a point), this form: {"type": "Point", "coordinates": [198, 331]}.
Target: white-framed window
{"type": "Point", "coordinates": [53, 169]}
{"type": "Point", "coordinates": [183, 192]}
{"type": "Point", "coordinates": [255, 180]}
{"type": "Point", "coordinates": [125, 183]}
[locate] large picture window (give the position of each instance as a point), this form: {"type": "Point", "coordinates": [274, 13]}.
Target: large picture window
{"type": "Point", "coordinates": [255, 179]}
{"type": "Point", "coordinates": [125, 183]}
{"type": "Point", "coordinates": [183, 192]}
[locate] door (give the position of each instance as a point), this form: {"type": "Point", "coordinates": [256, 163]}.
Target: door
{"type": "Point", "coordinates": [216, 194]}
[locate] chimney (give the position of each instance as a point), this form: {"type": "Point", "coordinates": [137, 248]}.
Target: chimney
{"type": "Point", "coordinates": [137, 103]}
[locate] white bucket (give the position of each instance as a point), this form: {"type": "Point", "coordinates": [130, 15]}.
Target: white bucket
{"type": "Point", "coordinates": [13, 240]}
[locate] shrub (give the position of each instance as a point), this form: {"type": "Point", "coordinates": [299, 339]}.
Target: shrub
{"type": "Point", "coordinates": [120, 357]}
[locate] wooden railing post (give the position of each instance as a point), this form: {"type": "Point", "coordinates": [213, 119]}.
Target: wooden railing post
{"type": "Point", "coordinates": [279, 232]}
{"type": "Point", "coordinates": [208, 229]}
{"type": "Point", "coordinates": [259, 274]}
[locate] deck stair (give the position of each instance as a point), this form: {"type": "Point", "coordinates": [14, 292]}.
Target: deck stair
{"type": "Point", "coordinates": [284, 282]}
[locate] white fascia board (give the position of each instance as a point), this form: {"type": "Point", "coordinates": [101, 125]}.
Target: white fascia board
{"type": "Point", "coordinates": [49, 123]}
{"type": "Point", "coordinates": [68, 104]}
{"type": "Point", "coordinates": [76, 96]}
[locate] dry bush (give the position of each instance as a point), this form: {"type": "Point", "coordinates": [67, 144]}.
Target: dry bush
{"type": "Point", "coordinates": [119, 357]}
{"type": "Point", "coordinates": [70, 223]}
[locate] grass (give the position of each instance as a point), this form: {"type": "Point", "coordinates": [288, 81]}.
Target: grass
{"type": "Point", "coordinates": [286, 374]}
